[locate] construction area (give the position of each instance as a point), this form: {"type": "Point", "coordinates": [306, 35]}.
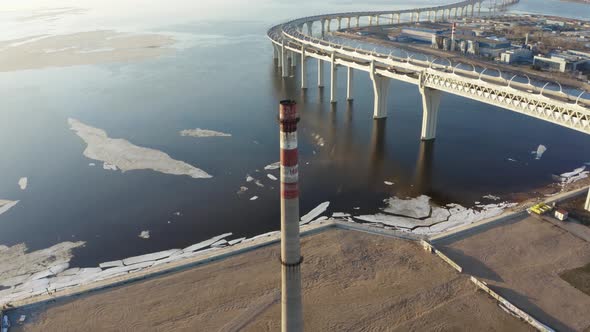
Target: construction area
{"type": "Point", "coordinates": [539, 267]}
{"type": "Point", "coordinates": [352, 280]}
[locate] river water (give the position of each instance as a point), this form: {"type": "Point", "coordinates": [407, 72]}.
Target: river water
{"type": "Point", "coordinates": [221, 77]}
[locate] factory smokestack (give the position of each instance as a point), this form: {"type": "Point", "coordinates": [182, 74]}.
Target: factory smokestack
{"type": "Point", "coordinates": [291, 307]}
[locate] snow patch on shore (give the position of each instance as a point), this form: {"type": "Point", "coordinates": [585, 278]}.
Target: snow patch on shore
{"type": "Point", "coordinates": [127, 156]}
{"type": "Point", "coordinates": [198, 132]}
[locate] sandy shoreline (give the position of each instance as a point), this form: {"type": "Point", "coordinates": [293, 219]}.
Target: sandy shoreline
{"type": "Point", "coordinates": [352, 280]}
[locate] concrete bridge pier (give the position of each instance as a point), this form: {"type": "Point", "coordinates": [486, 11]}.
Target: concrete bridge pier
{"type": "Point", "coordinates": [370, 20]}
{"type": "Point", "coordinates": [392, 18]}
{"type": "Point", "coordinates": [303, 69]}
{"type": "Point", "coordinates": [276, 55]}
{"type": "Point", "coordinates": [320, 73]}
{"type": "Point", "coordinates": [328, 25]}
{"type": "Point", "coordinates": [399, 18]}
{"type": "Point", "coordinates": [309, 28]}
{"type": "Point", "coordinates": [358, 21]}
{"type": "Point", "coordinates": [349, 84]}
{"type": "Point", "coordinates": [430, 106]}
{"type": "Point", "coordinates": [339, 23]}
{"type": "Point", "coordinates": [323, 27]}
{"type": "Point", "coordinates": [348, 19]}
{"type": "Point", "coordinates": [380, 90]}
{"type": "Point", "coordinates": [293, 59]}
{"type": "Point", "coordinates": [284, 61]}
{"type": "Point", "coordinates": [333, 79]}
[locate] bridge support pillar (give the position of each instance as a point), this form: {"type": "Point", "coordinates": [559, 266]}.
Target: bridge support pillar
{"type": "Point", "coordinates": [339, 23]}
{"type": "Point", "coordinates": [323, 27]}
{"type": "Point", "coordinates": [370, 20]}
{"type": "Point", "coordinates": [293, 59]}
{"type": "Point", "coordinates": [349, 84]}
{"type": "Point", "coordinates": [399, 18]}
{"type": "Point", "coordinates": [303, 69]}
{"type": "Point", "coordinates": [328, 26]}
{"type": "Point", "coordinates": [284, 61]}
{"type": "Point", "coordinates": [276, 55]}
{"type": "Point", "coordinates": [333, 80]}
{"type": "Point", "coordinates": [348, 22]}
{"type": "Point", "coordinates": [309, 28]}
{"type": "Point", "coordinates": [430, 105]}
{"type": "Point", "coordinates": [587, 205]}
{"type": "Point", "coordinates": [380, 90]}
{"type": "Point", "coordinates": [358, 21]}
{"type": "Point", "coordinates": [320, 73]}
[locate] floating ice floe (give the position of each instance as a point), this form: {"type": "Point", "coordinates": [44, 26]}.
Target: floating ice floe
{"type": "Point", "coordinates": [106, 265]}
{"type": "Point", "coordinates": [319, 140]}
{"type": "Point", "coordinates": [109, 166]}
{"type": "Point", "coordinates": [144, 234]}
{"type": "Point", "coordinates": [249, 178]}
{"type": "Point", "coordinates": [242, 190]}
{"type": "Point", "coordinates": [177, 213]}
{"type": "Point", "coordinates": [418, 216]}
{"type": "Point", "coordinates": [127, 156]}
{"type": "Point", "coordinates": [415, 208]}
{"type": "Point", "coordinates": [272, 177]}
{"type": "Point", "coordinates": [259, 184]}
{"type": "Point", "coordinates": [33, 265]}
{"type": "Point", "coordinates": [6, 205]}
{"type": "Point", "coordinates": [91, 164]}
{"type": "Point", "coordinates": [253, 198]}
{"type": "Point", "coordinates": [23, 182]}
{"type": "Point", "coordinates": [150, 257]}
{"type": "Point", "coordinates": [206, 243]}
{"type": "Point", "coordinates": [511, 159]}
{"type": "Point", "coordinates": [340, 215]}
{"type": "Point", "coordinates": [491, 197]}
{"type": "Point", "coordinates": [573, 176]}
{"type": "Point", "coordinates": [540, 150]}
{"type": "Point", "coordinates": [389, 183]}
{"type": "Point", "coordinates": [314, 213]}
{"type": "Point", "coordinates": [236, 241]}
{"type": "Point", "coordinates": [198, 132]}
{"type": "Point", "coordinates": [272, 166]}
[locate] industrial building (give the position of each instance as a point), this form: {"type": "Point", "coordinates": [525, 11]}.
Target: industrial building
{"type": "Point", "coordinates": [568, 61]}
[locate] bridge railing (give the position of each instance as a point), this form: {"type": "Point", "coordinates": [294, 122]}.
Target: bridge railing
{"type": "Point", "coordinates": [294, 36]}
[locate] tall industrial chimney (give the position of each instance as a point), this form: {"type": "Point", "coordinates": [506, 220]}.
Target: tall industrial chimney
{"type": "Point", "coordinates": [291, 307]}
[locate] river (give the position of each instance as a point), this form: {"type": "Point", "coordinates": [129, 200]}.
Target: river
{"type": "Point", "coordinates": [220, 76]}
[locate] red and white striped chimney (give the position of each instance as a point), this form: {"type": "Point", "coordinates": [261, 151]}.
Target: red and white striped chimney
{"type": "Point", "coordinates": [291, 307]}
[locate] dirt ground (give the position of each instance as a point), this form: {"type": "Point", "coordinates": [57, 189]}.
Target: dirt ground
{"type": "Point", "coordinates": [575, 207]}
{"type": "Point", "coordinates": [522, 261]}
{"type": "Point", "coordinates": [352, 281]}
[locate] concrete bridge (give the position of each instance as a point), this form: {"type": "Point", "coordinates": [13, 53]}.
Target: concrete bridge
{"type": "Point", "coordinates": [294, 39]}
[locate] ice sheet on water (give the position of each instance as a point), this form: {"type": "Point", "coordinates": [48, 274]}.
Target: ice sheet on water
{"type": "Point", "coordinates": [127, 156]}
{"type": "Point", "coordinates": [418, 207]}
{"type": "Point", "coordinates": [109, 166]}
{"type": "Point", "coordinates": [23, 182]}
{"type": "Point", "coordinates": [6, 205]}
{"type": "Point", "coordinates": [144, 235]}
{"type": "Point", "coordinates": [272, 166]}
{"type": "Point", "coordinates": [249, 178]}
{"type": "Point", "coordinates": [272, 177]}
{"type": "Point", "coordinates": [253, 198]}
{"type": "Point", "coordinates": [540, 151]}
{"type": "Point", "coordinates": [198, 132]}
{"type": "Point", "coordinates": [314, 213]}
{"type": "Point", "coordinates": [149, 257]}
{"type": "Point", "coordinates": [206, 243]}
{"type": "Point", "coordinates": [389, 183]}
{"type": "Point", "coordinates": [574, 172]}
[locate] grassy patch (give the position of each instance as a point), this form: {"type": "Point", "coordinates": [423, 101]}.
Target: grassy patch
{"type": "Point", "coordinates": [579, 278]}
